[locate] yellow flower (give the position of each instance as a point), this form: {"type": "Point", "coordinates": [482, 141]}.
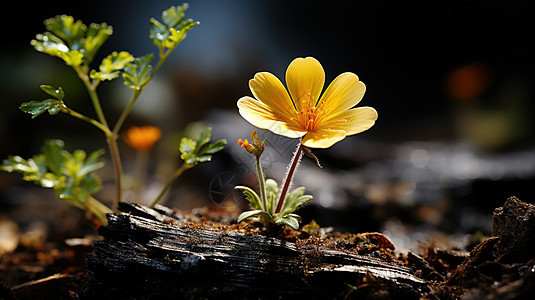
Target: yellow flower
{"type": "Point", "coordinates": [142, 138]}
{"type": "Point", "coordinates": [321, 122]}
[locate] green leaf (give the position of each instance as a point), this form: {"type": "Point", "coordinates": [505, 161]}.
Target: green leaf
{"type": "Point", "coordinates": [36, 108]}
{"type": "Point", "coordinates": [251, 196]}
{"type": "Point", "coordinates": [55, 155]}
{"type": "Point", "coordinates": [249, 214]}
{"type": "Point", "coordinates": [71, 40]}
{"type": "Point", "coordinates": [215, 147]}
{"type": "Point", "coordinates": [71, 58]}
{"type": "Point", "coordinates": [33, 169]}
{"type": "Point", "coordinates": [68, 30]}
{"type": "Point", "coordinates": [111, 65]}
{"type": "Point", "coordinates": [138, 74]}
{"type": "Point", "coordinates": [187, 146]}
{"type": "Point", "coordinates": [173, 15]}
{"type": "Point", "coordinates": [289, 221]}
{"type": "Point", "coordinates": [52, 91]}
{"type": "Point", "coordinates": [96, 35]}
{"type": "Point", "coordinates": [294, 199]}
{"type": "Point", "coordinates": [174, 27]}
{"type": "Point", "coordinates": [203, 139]}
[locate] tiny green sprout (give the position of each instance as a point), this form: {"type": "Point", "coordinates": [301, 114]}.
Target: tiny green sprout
{"type": "Point", "coordinates": [271, 206]}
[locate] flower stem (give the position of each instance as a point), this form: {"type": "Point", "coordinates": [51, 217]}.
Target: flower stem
{"type": "Point", "coordinates": [179, 171]}
{"type": "Point", "coordinates": [289, 176]}
{"type": "Point", "coordinates": [261, 183]}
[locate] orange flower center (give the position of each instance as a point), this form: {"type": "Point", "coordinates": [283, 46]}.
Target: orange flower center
{"type": "Point", "coordinates": [310, 114]}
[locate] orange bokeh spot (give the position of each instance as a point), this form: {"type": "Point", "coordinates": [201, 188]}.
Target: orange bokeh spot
{"type": "Point", "coordinates": [142, 138]}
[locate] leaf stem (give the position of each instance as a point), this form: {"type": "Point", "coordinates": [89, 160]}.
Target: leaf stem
{"type": "Point", "coordinates": [91, 89]}
{"type": "Point", "coordinates": [98, 209]}
{"type": "Point", "coordinates": [118, 167]}
{"type": "Point", "coordinates": [179, 171]}
{"type": "Point", "coordinates": [289, 176]}
{"type": "Point", "coordinates": [126, 111]}
{"type": "Point", "coordinates": [91, 121]}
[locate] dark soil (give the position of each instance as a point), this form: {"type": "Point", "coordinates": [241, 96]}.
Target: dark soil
{"type": "Point", "coordinates": [500, 267]}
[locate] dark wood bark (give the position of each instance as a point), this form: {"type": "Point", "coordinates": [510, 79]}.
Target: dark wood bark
{"type": "Point", "coordinates": [154, 254]}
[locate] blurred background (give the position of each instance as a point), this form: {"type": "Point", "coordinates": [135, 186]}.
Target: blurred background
{"type": "Point", "coordinates": [452, 82]}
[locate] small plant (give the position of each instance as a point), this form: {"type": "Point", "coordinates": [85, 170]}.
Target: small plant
{"type": "Point", "coordinates": [264, 205]}
{"type": "Point", "coordinates": [71, 174]}
{"type": "Point", "coordinates": [318, 122]}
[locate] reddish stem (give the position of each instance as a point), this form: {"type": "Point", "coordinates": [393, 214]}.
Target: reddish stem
{"type": "Point", "coordinates": [289, 177]}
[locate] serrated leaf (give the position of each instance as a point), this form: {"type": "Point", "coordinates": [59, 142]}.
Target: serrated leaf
{"type": "Point", "coordinates": [52, 91]}
{"type": "Point", "coordinates": [249, 214]}
{"type": "Point", "coordinates": [204, 138]}
{"type": "Point", "coordinates": [96, 35]}
{"type": "Point", "coordinates": [103, 75]}
{"type": "Point", "coordinates": [289, 221]}
{"type": "Point", "coordinates": [294, 200]}
{"type": "Point", "coordinates": [67, 29]}
{"type": "Point", "coordinates": [173, 15]}
{"type": "Point", "coordinates": [187, 146]}
{"type": "Point", "coordinates": [72, 40]}
{"type": "Point", "coordinates": [173, 29]}
{"type": "Point", "coordinates": [158, 32]}
{"type": "Point", "coordinates": [36, 108]}
{"type": "Point", "coordinates": [138, 73]}
{"type": "Point", "coordinates": [33, 169]}
{"type": "Point", "coordinates": [111, 65]}
{"type": "Point", "coordinates": [251, 196]}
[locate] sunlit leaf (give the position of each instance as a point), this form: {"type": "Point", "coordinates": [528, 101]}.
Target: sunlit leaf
{"type": "Point", "coordinates": [36, 108]}
{"type": "Point", "coordinates": [173, 15]}
{"type": "Point", "coordinates": [55, 155]}
{"type": "Point", "coordinates": [138, 73]}
{"type": "Point", "coordinates": [249, 214]}
{"type": "Point", "coordinates": [294, 200]}
{"type": "Point", "coordinates": [111, 65]}
{"type": "Point", "coordinates": [71, 40]}
{"type": "Point", "coordinates": [96, 35]}
{"type": "Point", "coordinates": [67, 29]}
{"type": "Point", "coordinates": [52, 91]}
{"type": "Point", "coordinates": [289, 221]}
{"type": "Point", "coordinates": [173, 29]}
{"type": "Point", "coordinates": [251, 196]}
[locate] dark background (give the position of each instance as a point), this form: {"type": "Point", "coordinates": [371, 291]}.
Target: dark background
{"type": "Point", "coordinates": [441, 73]}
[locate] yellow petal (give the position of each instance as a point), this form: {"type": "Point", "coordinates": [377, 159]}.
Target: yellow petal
{"type": "Point", "coordinates": [352, 121]}
{"type": "Point", "coordinates": [343, 93]}
{"type": "Point", "coordinates": [262, 116]}
{"type": "Point", "coordinates": [305, 79]}
{"type": "Point", "coordinates": [269, 89]}
{"type": "Point", "coordinates": [323, 138]}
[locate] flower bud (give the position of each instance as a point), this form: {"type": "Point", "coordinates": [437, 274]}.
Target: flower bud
{"type": "Point", "coordinates": [256, 146]}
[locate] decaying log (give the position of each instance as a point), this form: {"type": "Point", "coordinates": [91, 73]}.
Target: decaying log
{"type": "Point", "coordinates": [155, 254]}
{"type": "Point", "coordinates": [514, 225]}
